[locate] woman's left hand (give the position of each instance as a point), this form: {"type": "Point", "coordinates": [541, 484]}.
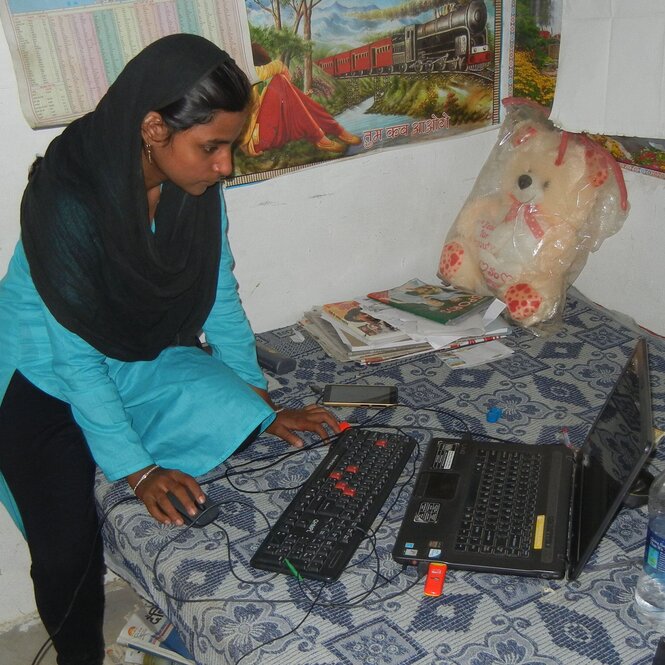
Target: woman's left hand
{"type": "Point", "coordinates": [310, 419]}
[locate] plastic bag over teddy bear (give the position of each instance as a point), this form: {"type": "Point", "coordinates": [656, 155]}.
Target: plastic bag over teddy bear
{"type": "Point", "coordinates": [544, 199]}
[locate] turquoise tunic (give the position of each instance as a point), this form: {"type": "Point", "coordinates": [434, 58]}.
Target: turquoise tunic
{"type": "Point", "coordinates": [185, 410]}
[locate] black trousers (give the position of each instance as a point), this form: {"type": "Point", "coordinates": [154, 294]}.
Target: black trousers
{"type": "Point", "coordinates": [48, 467]}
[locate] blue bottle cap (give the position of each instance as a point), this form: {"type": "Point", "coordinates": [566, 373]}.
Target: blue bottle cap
{"type": "Point", "coordinates": [494, 414]}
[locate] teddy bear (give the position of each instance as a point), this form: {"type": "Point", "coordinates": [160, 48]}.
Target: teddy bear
{"type": "Point", "coordinates": [544, 199]}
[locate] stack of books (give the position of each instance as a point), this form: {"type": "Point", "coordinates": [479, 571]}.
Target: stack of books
{"type": "Point", "coordinates": [404, 321]}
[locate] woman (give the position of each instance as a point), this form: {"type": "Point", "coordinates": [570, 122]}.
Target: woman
{"type": "Point", "coordinates": [281, 113]}
{"type": "Point", "coordinates": [123, 259]}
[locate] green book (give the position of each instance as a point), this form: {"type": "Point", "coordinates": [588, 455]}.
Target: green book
{"type": "Point", "coordinates": [430, 301]}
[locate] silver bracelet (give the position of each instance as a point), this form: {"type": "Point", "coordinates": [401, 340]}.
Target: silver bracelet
{"type": "Point", "coordinates": [279, 409]}
{"type": "Point", "coordinates": [144, 476]}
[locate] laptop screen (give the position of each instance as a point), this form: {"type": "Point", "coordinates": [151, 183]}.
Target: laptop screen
{"type": "Point", "coordinates": [617, 446]}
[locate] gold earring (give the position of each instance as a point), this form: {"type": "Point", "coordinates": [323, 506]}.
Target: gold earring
{"type": "Point", "coordinates": [148, 149]}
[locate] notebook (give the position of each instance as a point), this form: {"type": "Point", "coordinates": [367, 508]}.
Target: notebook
{"type": "Point", "coordinates": [530, 509]}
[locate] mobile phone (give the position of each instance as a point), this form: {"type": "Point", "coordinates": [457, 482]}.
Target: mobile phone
{"type": "Point", "coordinates": [341, 394]}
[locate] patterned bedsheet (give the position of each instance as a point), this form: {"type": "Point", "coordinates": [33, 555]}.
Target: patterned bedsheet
{"type": "Point", "coordinates": [376, 614]}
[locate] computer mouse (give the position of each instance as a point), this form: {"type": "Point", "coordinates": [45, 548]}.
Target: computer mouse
{"type": "Point", "coordinates": [207, 511]}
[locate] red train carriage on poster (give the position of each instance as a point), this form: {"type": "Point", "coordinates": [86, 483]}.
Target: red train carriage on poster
{"type": "Point", "coordinates": [454, 41]}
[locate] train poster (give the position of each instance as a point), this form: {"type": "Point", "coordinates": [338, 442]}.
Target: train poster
{"type": "Point", "coordinates": [339, 78]}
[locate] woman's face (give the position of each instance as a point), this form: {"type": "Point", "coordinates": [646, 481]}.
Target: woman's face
{"type": "Point", "coordinates": [196, 158]}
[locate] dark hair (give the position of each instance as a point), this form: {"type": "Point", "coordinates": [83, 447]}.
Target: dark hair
{"type": "Point", "coordinates": [260, 55]}
{"type": "Point", "coordinates": [225, 88]}
{"type": "Point", "coordinates": [34, 166]}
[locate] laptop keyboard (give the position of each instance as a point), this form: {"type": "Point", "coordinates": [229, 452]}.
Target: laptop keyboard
{"type": "Point", "coordinates": [327, 520]}
{"type": "Point", "coordinates": [500, 520]}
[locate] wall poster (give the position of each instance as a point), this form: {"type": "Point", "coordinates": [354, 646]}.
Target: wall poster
{"type": "Point", "coordinates": [340, 78]}
{"type": "Point", "coordinates": [66, 53]}
{"type": "Point", "coordinates": [337, 78]}
{"type": "Point", "coordinates": [535, 59]}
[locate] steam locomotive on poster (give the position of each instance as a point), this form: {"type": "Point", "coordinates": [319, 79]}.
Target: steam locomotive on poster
{"type": "Point", "coordinates": [453, 41]}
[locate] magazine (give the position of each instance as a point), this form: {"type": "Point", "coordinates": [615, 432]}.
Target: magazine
{"type": "Point", "coordinates": [430, 301]}
{"type": "Point", "coordinates": [325, 334]}
{"type": "Point", "coordinates": [330, 341]}
{"type": "Point", "coordinates": [348, 316]}
{"type": "Point", "coordinates": [127, 656]}
{"type": "Point", "coordinates": [405, 321]}
{"type": "Point", "coordinates": [154, 634]}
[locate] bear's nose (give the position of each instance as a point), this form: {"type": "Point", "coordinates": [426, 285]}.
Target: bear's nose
{"type": "Point", "coordinates": [524, 181]}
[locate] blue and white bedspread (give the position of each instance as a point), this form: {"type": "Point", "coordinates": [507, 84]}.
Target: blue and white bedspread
{"type": "Point", "coordinates": [376, 614]}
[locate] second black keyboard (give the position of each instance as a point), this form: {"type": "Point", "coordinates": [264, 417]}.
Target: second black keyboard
{"type": "Point", "coordinates": [326, 521]}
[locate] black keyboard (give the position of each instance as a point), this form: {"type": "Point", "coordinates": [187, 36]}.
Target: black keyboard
{"type": "Point", "coordinates": [327, 520]}
{"type": "Point", "coordinates": [499, 519]}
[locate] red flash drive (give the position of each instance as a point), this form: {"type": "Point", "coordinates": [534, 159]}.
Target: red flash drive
{"type": "Point", "coordinates": [436, 575]}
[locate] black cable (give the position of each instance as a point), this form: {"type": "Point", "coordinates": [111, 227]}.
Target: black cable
{"type": "Point", "coordinates": [280, 637]}
{"type": "Point", "coordinates": [276, 457]}
{"type": "Point", "coordinates": [302, 584]}
{"type": "Point", "coordinates": [371, 535]}
{"type": "Point", "coordinates": [42, 651]}
{"type": "Point", "coordinates": [240, 470]}
{"type": "Point", "coordinates": [237, 470]}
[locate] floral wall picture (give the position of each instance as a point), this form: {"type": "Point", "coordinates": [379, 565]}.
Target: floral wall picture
{"type": "Point", "coordinates": [536, 38]}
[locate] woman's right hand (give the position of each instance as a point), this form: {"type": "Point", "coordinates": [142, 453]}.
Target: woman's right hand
{"type": "Point", "coordinates": [153, 488]}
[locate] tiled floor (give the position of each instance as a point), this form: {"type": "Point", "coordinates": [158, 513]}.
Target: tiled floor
{"type": "Point", "coordinates": [20, 645]}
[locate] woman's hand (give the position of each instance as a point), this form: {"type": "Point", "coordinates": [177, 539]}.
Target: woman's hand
{"type": "Point", "coordinates": [153, 488]}
{"type": "Point", "coordinates": [310, 419]}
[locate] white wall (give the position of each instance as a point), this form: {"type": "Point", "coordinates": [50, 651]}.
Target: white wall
{"type": "Point", "coordinates": [18, 145]}
{"type": "Point", "coordinates": [627, 272]}
{"type": "Point", "coordinates": [340, 230]}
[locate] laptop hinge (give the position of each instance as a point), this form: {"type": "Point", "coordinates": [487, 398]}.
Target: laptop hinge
{"type": "Point", "coordinates": [574, 515]}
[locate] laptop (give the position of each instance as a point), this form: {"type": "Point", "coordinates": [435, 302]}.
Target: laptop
{"type": "Point", "coordinates": [530, 509]}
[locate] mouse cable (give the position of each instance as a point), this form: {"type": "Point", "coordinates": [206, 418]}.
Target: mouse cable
{"type": "Point", "coordinates": [258, 646]}
{"type": "Point", "coordinates": [358, 600]}
{"type": "Point", "coordinates": [302, 584]}
{"type": "Point", "coordinates": [183, 530]}
{"type": "Point", "coordinates": [224, 532]}
{"type": "Point", "coordinates": [386, 511]}
{"type": "Point", "coordinates": [281, 637]}
{"type": "Point", "coordinates": [355, 600]}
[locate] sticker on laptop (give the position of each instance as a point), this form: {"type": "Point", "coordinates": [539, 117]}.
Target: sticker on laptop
{"type": "Point", "coordinates": [428, 512]}
{"type": "Point", "coordinates": [445, 454]}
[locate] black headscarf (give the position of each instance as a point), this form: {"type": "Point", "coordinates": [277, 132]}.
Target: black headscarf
{"type": "Point", "coordinates": [95, 262]}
